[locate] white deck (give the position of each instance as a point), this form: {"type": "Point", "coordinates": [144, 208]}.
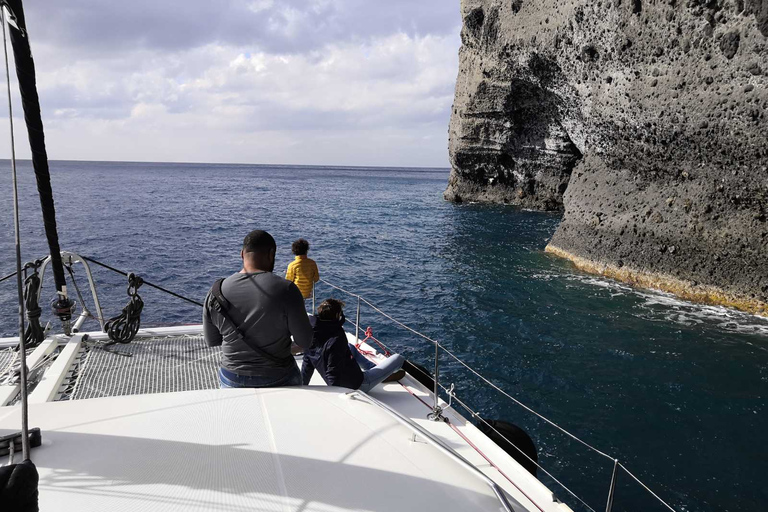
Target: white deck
{"type": "Point", "coordinates": [282, 449]}
{"type": "Point", "coordinates": [308, 449]}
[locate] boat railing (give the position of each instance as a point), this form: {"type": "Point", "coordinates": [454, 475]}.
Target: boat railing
{"type": "Point", "coordinates": [450, 392]}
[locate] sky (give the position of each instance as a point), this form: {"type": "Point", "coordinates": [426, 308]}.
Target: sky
{"type": "Point", "coordinates": [328, 82]}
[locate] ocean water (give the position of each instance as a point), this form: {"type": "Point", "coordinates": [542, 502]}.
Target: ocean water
{"type": "Point", "coordinates": [675, 391]}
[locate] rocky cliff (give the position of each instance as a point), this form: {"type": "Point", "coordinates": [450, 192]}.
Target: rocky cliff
{"type": "Point", "coordinates": [646, 121]}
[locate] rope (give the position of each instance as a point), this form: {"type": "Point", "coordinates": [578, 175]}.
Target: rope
{"type": "Point", "coordinates": [123, 328]}
{"type": "Point", "coordinates": [369, 336]}
{"type": "Point", "coordinates": [34, 335]}
{"type": "Point", "coordinates": [7, 277]}
{"type": "Point", "coordinates": [152, 285]}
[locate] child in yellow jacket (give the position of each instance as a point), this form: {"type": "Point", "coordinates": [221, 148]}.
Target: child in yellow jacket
{"type": "Point", "coordinates": [302, 271]}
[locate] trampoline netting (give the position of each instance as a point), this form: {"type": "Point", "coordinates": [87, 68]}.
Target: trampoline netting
{"type": "Point", "coordinates": [146, 365]}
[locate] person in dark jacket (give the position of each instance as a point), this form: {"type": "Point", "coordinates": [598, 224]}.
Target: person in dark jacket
{"type": "Point", "coordinates": [336, 359]}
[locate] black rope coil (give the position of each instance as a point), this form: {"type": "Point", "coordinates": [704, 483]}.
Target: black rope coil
{"type": "Point", "coordinates": [34, 333]}
{"type": "Point", "coordinates": [123, 328]}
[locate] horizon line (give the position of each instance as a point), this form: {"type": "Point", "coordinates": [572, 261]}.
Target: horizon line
{"type": "Point", "coordinates": [240, 163]}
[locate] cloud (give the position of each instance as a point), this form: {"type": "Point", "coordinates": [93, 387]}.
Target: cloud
{"type": "Point", "coordinates": [285, 26]}
{"type": "Point", "coordinates": [344, 81]}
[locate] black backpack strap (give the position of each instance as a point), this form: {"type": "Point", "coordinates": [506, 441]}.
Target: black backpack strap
{"type": "Point", "coordinates": [218, 295]}
{"type": "Point", "coordinates": [219, 303]}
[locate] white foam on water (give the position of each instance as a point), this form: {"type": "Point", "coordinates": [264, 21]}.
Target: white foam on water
{"type": "Point", "coordinates": [662, 306]}
{"type": "Point", "coordinates": [689, 313]}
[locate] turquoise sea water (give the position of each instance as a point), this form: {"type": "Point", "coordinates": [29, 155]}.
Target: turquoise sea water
{"type": "Point", "coordinates": [676, 391]}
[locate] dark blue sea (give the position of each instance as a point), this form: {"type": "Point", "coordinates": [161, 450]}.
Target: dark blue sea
{"type": "Point", "coordinates": [676, 391]}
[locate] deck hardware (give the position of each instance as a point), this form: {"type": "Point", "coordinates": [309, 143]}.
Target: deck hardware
{"type": "Point", "coordinates": [10, 443]}
{"type": "Point", "coordinates": [450, 395]}
{"type": "Point", "coordinates": [437, 411]}
{"type": "Point", "coordinates": [73, 258]}
{"type": "Point", "coordinates": [85, 311]}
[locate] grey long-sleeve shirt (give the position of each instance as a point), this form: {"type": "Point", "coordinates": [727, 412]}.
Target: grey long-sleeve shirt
{"type": "Point", "coordinates": [268, 310]}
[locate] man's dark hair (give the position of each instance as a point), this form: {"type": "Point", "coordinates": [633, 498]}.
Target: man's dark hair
{"type": "Point", "coordinates": [259, 242]}
{"type": "Point", "coordinates": [330, 309]}
{"type": "Point", "coordinates": [300, 247]}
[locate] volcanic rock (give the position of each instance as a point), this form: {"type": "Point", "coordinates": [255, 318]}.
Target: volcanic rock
{"type": "Point", "coordinates": [606, 110]}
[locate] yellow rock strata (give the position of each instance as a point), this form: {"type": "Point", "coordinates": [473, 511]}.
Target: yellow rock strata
{"type": "Point", "coordinates": [683, 289]}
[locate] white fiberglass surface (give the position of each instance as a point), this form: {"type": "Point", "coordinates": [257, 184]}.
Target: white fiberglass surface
{"type": "Point", "coordinates": [281, 449]}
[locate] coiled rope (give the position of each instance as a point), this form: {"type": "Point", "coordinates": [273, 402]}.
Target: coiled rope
{"type": "Point", "coordinates": [123, 327]}
{"type": "Point", "coordinates": [34, 334]}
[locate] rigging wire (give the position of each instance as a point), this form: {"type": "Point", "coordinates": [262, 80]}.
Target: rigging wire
{"type": "Point", "coordinates": [151, 285]}
{"type": "Point", "coordinates": [494, 386]}
{"type": "Point", "coordinates": [646, 487]}
{"type": "Point", "coordinates": [22, 349]}
{"type": "Point", "coordinates": [69, 269]}
{"type": "Point", "coordinates": [510, 397]}
{"type": "Point", "coordinates": [7, 277]}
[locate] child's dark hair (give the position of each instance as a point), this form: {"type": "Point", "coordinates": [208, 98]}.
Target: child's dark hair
{"type": "Point", "coordinates": [300, 247]}
{"type": "Point", "coordinates": [330, 309]}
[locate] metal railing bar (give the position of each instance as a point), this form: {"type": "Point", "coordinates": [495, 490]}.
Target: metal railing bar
{"type": "Point", "coordinates": [338, 288]}
{"type": "Point", "coordinates": [357, 320]}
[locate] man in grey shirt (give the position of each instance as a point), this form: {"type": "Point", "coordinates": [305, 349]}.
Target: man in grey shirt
{"type": "Point", "coordinates": [267, 310]}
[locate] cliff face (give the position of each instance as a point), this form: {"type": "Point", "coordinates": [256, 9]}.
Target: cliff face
{"type": "Point", "coordinates": [647, 121]}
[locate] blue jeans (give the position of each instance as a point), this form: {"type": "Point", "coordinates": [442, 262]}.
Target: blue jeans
{"type": "Point", "coordinates": [376, 375]}
{"type": "Point", "coordinates": [229, 379]}
{"type": "Point", "coordinates": [360, 359]}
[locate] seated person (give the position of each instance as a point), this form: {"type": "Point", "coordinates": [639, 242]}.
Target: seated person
{"type": "Point", "coordinates": [336, 359]}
